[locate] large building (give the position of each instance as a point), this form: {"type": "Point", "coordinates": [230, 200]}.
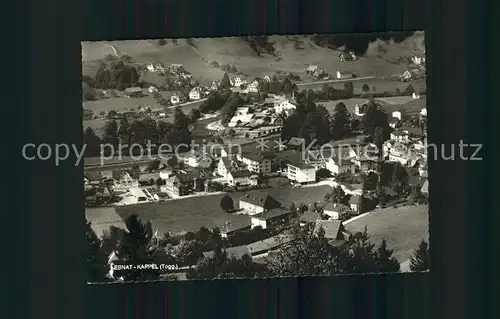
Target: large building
{"type": "Point", "coordinates": [301, 173]}
{"type": "Point", "coordinates": [256, 163]}
{"type": "Point", "coordinates": [257, 202]}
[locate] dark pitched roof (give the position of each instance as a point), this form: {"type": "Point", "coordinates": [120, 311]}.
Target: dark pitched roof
{"type": "Point", "coordinates": [241, 173]}
{"type": "Point", "coordinates": [254, 156]}
{"type": "Point", "coordinates": [261, 199]}
{"type": "Point", "coordinates": [331, 227]}
{"type": "Point", "coordinates": [272, 213]}
{"type": "Point", "coordinates": [355, 199]}
{"type": "Point", "coordinates": [331, 207]}
{"type": "Point", "coordinates": [296, 141]}
{"type": "Point", "coordinates": [133, 90]}
{"type": "Point", "coordinates": [93, 176]}
{"type": "Point", "coordinates": [310, 217]}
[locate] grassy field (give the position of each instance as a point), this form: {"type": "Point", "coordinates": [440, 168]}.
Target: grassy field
{"type": "Point", "coordinates": [192, 213]}
{"type": "Point", "coordinates": [390, 104]}
{"type": "Point", "coordinates": [198, 54]}
{"type": "Point", "coordinates": [403, 228]}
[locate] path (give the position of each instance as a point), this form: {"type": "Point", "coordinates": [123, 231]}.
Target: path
{"type": "Point", "coordinates": [115, 52]}
{"type": "Point", "coordinates": [187, 103]}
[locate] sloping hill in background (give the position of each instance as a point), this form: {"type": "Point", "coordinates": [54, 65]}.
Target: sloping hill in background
{"type": "Point", "coordinates": [258, 55]}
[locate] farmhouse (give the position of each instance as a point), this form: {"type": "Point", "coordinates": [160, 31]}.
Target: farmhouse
{"type": "Point", "coordinates": [240, 120]}
{"type": "Point", "coordinates": [214, 86]}
{"type": "Point", "coordinates": [335, 231]}
{"type": "Point", "coordinates": [311, 69]}
{"type": "Point", "coordinates": [231, 151]}
{"type": "Point", "coordinates": [241, 178]}
{"type": "Point", "coordinates": [335, 211]}
{"type": "Point", "coordinates": [175, 99]}
{"type": "Point", "coordinates": [174, 187]}
{"type": "Point", "coordinates": [296, 143]}
{"type": "Point", "coordinates": [271, 218]}
{"type": "Point", "coordinates": [301, 173]}
{"type": "Point", "coordinates": [406, 76]}
{"type": "Point", "coordinates": [133, 92]}
{"type": "Point", "coordinates": [344, 75]}
{"type": "Point", "coordinates": [243, 110]}
{"type": "Point", "coordinates": [194, 94]}
{"type": "Point", "coordinates": [152, 89]}
{"type": "Point", "coordinates": [309, 217]}
{"type": "Point", "coordinates": [257, 202]}
{"type": "Point", "coordinates": [253, 87]}
{"type": "Point", "coordinates": [237, 81]}
{"type": "Point", "coordinates": [339, 165]}
{"type": "Point", "coordinates": [284, 106]}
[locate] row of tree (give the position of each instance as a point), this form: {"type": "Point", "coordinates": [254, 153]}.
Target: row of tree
{"type": "Point", "coordinates": [140, 131]}
{"type": "Point", "coordinates": [117, 75]}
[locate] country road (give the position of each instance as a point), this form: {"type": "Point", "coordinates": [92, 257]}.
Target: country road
{"type": "Point", "coordinates": [115, 52]}
{"type": "Point", "coordinates": [187, 103]}
{"type": "Point", "coordinates": [345, 80]}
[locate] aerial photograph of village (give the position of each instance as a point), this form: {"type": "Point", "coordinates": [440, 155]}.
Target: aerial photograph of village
{"type": "Point", "coordinates": [255, 156]}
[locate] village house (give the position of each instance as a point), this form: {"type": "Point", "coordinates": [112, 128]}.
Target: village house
{"type": "Point", "coordinates": [270, 218]}
{"type": "Point", "coordinates": [338, 165]}
{"type": "Point", "coordinates": [415, 96]}
{"type": "Point", "coordinates": [243, 110]}
{"type": "Point", "coordinates": [335, 231]}
{"type": "Point", "coordinates": [237, 81]}
{"type": "Point", "coordinates": [174, 187]}
{"type": "Point", "coordinates": [240, 120]}
{"type": "Point", "coordinates": [393, 122]}
{"type": "Point", "coordinates": [344, 75]}
{"type": "Point", "coordinates": [423, 169]}
{"type": "Point", "coordinates": [284, 105]}
{"type": "Point", "coordinates": [296, 143]}
{"type": "Point", "coordinates": [157, 67]}
{"type": "Point", "coordinates": [88, 114]}
{"type": "Point", "coordinates": [175, 99]}
{"type": "Point", "coordinates": [311, 69]}
{"type": "Point", "coordinates": [231, 151]}
{"type": "Point", "coordinates": [133, 92]}
{"type": "Point", "coordinates": [256, 163]}
{"type": "Point", "coordinates": [355, 204]}
{"type": "Point", "coordinates": [418, 60]}
{"type": "Point", "coordinates": [123, 178]}
{"type": "Point", "coordinates": [267, 78]}
{"type": "Point", "coordinates": [301, 173]}
{"type": "Point", "coordinates": [214, 86]}
{"type": "Point", "coordinates": [309, 217]}
{"type": "Point", "coordinates": [335, 211]}
{"type": "Point", "coordinates": [242, 178]}
{"type": "Point", "coordinates": [195, 94]}
{"type": "Point", "coordinates": [406, 76]}
{"type": "Point", "coordinates": [257, 202]}
{"type": "Point", "coordinates": [224, 166]}
{"type": "Point", "coordinates": [230, 229]}
{"type": "Point", "coordinates": [195, 158]}
{"type": "Point", "coordinates": [400, 136]}
{"type": "Point", "coordinates": [152, 89]}
{"type": "Point", "coordinates": [253, 87]}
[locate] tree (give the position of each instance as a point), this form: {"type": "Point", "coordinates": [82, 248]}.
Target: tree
{"type": "Point", "coordinates": [162, 42]}
{"type": "Point", "coordinates": [375, 117]}
{"type": "Point", "coordinates": [232, 69]}
{"type": "Point", "coordinates": [96, 270]}
{"type": "Point", "coordinates": [339, 196]}
{"type": "Point", "coordinates": [134, 248]}
{"type": "Point", "coordinates": [409, 90]}
{"type": "Point", "coordinates": [370, 181]}
{"type": "Point", "coordinates": [366, 88]}
{"type": "Point", "coordinates": [226, 203]}
{"type": "Point", "coordinates": [340, 124]}
{"type": "Point", "coordinates": [92, 143]}
{"type": "Point", "coordinates": [421, 258]}
{"type": "Point", "coordinates": [189, 252]}
{"type": "Point", "coordinates": [349, 89]}
{"type": "Point", "coordinates": [378, 140]}
{"type": "Point", "coordinates": [361, 257]}
{"type": "Point", "coordinates": [225, 83]}
{"type": "Point", "coordinates": [110, 135]}
{"type": "Point", "coordinates": [398, 91]}
{"type": "Point", "coordinates": [399, 179]}
{"type": "Point", "coordinates": [229, 109]}
{"type": "Point", "coordinates": [194, 115]}
{"type": "Point", "coordinates": [153, 166]}
{"type": "Point", "coordinates": [386, 263]}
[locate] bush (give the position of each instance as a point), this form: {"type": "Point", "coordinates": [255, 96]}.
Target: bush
{"type": "Point", "coordinates": [214, 64]}
{"type": "Point", "coordinates": [162, 42]}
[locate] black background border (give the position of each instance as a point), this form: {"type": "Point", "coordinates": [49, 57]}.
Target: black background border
{"type": "Point", "coordinates": [42, 206]}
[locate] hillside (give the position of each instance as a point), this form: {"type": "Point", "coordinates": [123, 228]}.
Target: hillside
{"type": "Point", "coordinates": [257, 56]}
